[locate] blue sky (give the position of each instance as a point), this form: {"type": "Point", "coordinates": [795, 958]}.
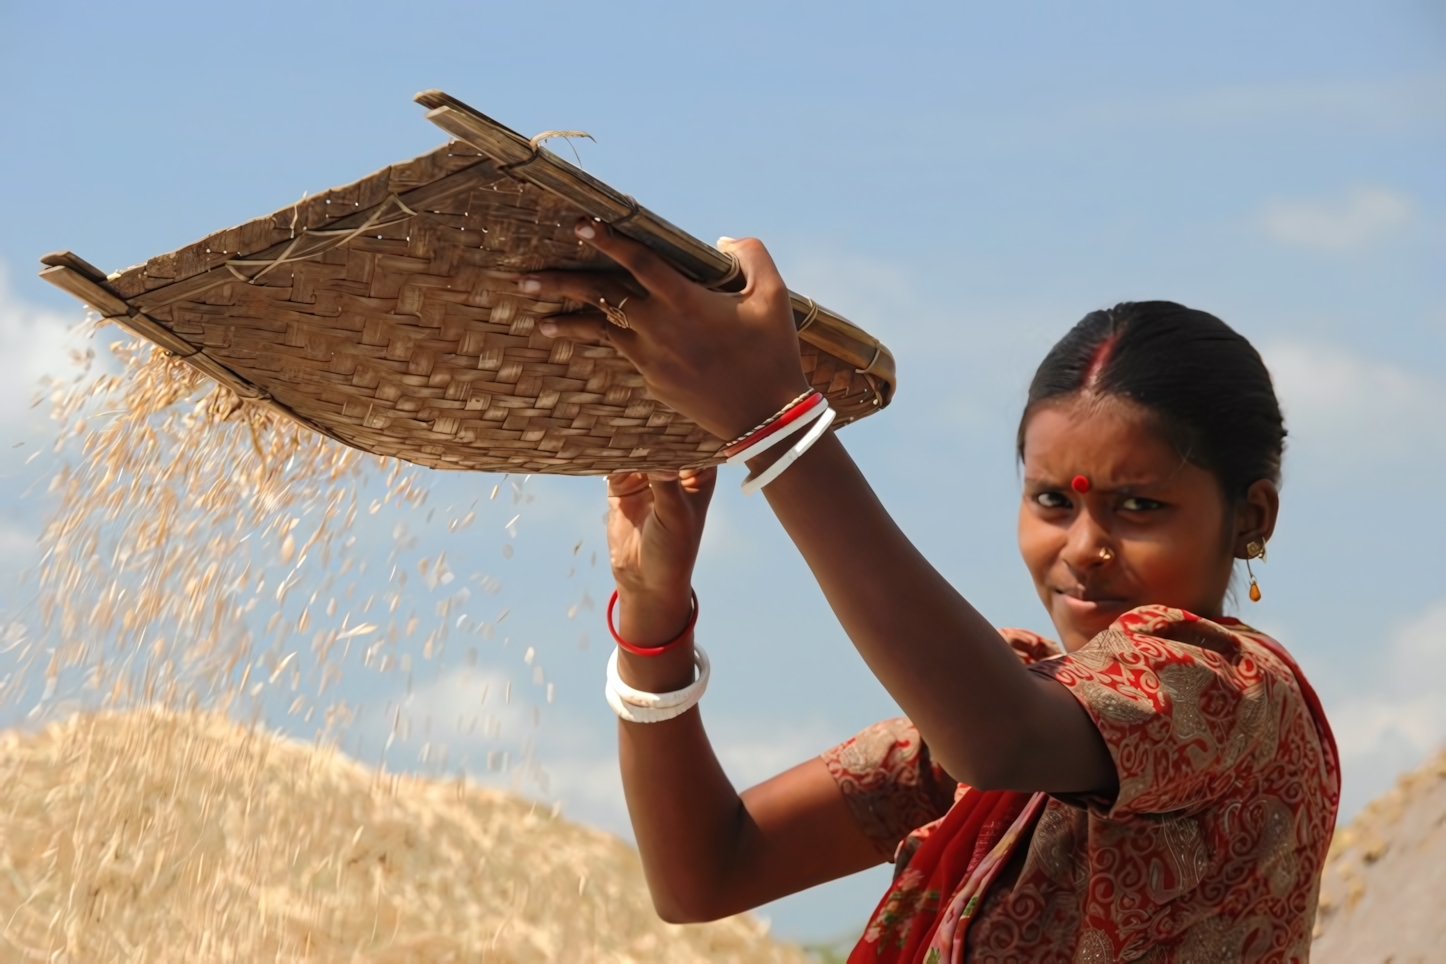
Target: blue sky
{"type": "Point", "coordinates": [964, 180]}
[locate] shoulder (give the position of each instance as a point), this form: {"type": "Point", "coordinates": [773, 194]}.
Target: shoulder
{"type": "Point", "coordinates": [1151, 640]}
{"type": "Point", "coordinates": [1189, 706]}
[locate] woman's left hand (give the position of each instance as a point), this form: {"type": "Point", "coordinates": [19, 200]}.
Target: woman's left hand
{"type": "Point", "coordinates": [655, 524]}
{"type": "Point", "coordinates": [726, 360]}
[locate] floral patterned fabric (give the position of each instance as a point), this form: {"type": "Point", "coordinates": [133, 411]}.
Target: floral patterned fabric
{"type": "Point", "coordinates": [1210, 851]}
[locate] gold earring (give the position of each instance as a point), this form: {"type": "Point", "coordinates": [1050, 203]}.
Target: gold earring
{"type": "Point", "coordinates": [1254, 549]}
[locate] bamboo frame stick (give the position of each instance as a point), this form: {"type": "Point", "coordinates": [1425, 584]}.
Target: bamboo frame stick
{"type": "Point", "coordinates": [702, 262]}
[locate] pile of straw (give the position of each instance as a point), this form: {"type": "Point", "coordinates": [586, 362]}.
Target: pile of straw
{"type": "Point", "coordinates": [1381, 895]}
{"type": "Point", "coordinates": [201, 566]}
{"type": "Point", "coordinates": [162, 836]}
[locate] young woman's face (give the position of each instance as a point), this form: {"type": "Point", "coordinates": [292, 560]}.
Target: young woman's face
{"type": "Point", "coordinates": [1151, 529]}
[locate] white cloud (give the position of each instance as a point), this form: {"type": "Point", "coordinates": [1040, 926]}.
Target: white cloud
{"type": "Point", "coordinates": [752, 752]}
{"type": "Point", "coordinates": [1395, 720]}
{"type": "Point", "coordinates": [1354, 104]}
{"type": "Point", "coordinates": [1349, 221]}
{"type": "Point", "coordinates": [36, 341]}
{"type": "Point", "coordinates": [1340, 406]}
{"type": "Point", "coordinates": [16, 542]}
{"type": "Point", "coordinates": [498, 728]}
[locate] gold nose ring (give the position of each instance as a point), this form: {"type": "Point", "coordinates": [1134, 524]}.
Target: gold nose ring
{"type": "Point", "coordinates": [1106, 554]}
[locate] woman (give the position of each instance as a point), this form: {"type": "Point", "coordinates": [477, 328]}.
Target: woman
{"type": "Point", "coordinates": [1164, 789]}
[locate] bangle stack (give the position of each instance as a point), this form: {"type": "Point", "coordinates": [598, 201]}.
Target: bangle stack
{"type": "Point", "coordinates": [637, 706]}
{"type": "Point", "coordinates": [809, 408]}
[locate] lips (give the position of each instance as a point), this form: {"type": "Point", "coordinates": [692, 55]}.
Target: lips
{"type": "Point", "coordinates": [1090, 603]}
{"type": "Point", "coordinates": [1084, 594]}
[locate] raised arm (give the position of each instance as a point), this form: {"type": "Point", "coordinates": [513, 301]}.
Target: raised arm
{"type": "Point", "coordinates": [707, 852]}
{"type": "Point", "coordinates": [730, 360]}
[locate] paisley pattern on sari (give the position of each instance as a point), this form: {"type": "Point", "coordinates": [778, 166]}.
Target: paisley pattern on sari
{"type": "Point", "coordinates": [1211, 850]}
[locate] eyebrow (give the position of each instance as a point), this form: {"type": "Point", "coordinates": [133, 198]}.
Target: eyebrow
{"type": "Point", "coordinates": [1125, 489]}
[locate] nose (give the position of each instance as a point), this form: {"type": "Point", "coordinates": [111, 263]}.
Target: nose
{"type": "Point", "coordinates": [1088, 543]}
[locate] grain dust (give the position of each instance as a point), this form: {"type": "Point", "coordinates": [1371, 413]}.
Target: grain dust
{"type": "Point", "coordinates": [176, 790]}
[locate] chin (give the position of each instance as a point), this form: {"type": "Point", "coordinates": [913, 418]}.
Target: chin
{"type": "Point", "coordinates": [1084, 626]}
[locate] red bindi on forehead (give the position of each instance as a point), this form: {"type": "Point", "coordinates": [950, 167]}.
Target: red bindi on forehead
{"type": "Point", "coordinates": [1096, 445]}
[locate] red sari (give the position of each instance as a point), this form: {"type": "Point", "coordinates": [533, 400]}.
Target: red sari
{"type": "Point", "coordinates": [1211, 849]}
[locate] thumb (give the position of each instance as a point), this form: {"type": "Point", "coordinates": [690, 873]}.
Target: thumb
{"type": "Point", "coordinates": [668, 503]}
{"type": "Point", "coordinates": [759, 271]}
{"type": "Point", "coordinates": [698, 485]}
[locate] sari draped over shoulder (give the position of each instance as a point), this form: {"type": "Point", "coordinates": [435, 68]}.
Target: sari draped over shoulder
{"type": "Point", "coordinates": [1211, 850]}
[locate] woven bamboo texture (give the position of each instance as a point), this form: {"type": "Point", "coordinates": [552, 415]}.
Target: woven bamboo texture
{"type": "Point", "coordinates": [384, 314]}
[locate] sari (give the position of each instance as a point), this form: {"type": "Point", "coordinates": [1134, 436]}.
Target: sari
{"type": "Point", "coordinates": [1212, 849]}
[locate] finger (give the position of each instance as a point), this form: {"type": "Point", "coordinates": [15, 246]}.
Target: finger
{"type": "Point", "coordinates": [583, 287]}
{"type": "Point", "coordinates": [759, 271]}
{"type": "Point", "coordinates": [621, 485]}
{"type": "Point", "coordinates": [587, 328]}
{"type": "Point", "coordinates": [652, 272]}
{"type": "Point", "coordinates": [668, 502]}
{"type": "Point", "coordinates": [698, 484]}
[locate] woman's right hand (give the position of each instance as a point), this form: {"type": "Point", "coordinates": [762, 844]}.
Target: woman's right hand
{"type": "Point", "coordinates": [655, 524]}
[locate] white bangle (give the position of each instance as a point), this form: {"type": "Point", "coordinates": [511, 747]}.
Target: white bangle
{"type": "Point", "coordinates": [763, 445]}
{"type": "Point", "coordinates": [638, 706]}
{"type": "Point", "coordinates": [754, 483]}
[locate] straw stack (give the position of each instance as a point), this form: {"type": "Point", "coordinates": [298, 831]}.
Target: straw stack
{"type": "Point", "coordinates": [184, 837]}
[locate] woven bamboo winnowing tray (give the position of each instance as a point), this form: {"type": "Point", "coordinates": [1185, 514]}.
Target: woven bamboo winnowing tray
{"type": "Point", "coordinates": [385, 314]}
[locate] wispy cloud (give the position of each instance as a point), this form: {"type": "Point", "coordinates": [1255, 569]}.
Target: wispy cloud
{"type": "Point", "coordinates": [1350, 221]}
{"type": "Point", "coordinates": [1342, 406]}
{"type": "Point", "coordinates": [36, 341]}
{"type": "Point", "coordinates": [1373, 104]}
{"type": "Point", "coordinates": [1398, 718]}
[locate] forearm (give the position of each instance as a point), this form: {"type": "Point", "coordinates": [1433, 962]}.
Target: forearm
{"type": "Point", "coordinates": [707, 851]}
{"type": "Point", "coordinates": [685, 812]}
{"type": "Point", "coordinates": [986, 719]}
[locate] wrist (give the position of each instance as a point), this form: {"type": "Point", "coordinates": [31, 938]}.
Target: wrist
{"type": "Point", "coordinates": [652, 617]}
{"type": "Point", "coordinates": [763, 406]}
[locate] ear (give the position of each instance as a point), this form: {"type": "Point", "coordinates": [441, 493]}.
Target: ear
{"type": "Point", "coordinates": [1255, 515]}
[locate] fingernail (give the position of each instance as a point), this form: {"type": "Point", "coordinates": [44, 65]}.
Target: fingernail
{"type": "Point", "coordinates": [586, 230]}
{"type": "Point", "coordinates": [722, 241]}
{"type": "Point", "coordinates": [548, 328]}
{"type": "Point", "coordinates": [530, 285]}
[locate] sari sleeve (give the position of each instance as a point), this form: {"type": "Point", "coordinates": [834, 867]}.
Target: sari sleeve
{"type": "Point", "coordinates": [1186, 708]}
{"type": "Point", "coordinates": [890, 783]}
{"type": "Point", "coordinates": [887, 777]}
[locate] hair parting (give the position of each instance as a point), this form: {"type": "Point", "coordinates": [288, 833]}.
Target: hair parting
{"type": "Point", "coordinates": [1203, 381]}
{"type": "Point", "coordinates": [1098, 359]}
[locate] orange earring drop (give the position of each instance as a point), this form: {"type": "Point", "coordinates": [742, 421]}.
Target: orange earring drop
{"type": "Point", "coordinates": [1254, 549]}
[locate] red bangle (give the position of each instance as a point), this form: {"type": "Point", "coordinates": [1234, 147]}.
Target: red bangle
{"type": "Point", "coordinates": [789, 413]}
{"type": "Point", "coordinates": [650, 650]}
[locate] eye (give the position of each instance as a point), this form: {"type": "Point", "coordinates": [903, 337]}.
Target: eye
{"type": "Point", "coordinates": [1137, 503]}
{"type": "Point", "coordinates": [1052, 500]}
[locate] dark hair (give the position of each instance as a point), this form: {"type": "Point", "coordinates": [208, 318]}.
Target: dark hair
{"type": "Point", "coordinates": [1204, 382]}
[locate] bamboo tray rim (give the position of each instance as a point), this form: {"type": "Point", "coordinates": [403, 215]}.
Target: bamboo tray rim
{"type": "Point", "coordinates": [115, 296]}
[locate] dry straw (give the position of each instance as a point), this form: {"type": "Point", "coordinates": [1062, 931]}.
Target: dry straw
{"type": "Point", "coordinates": [156, 836]}
{"type": "Point", "coordinates": [158, 551]}
{"type": "Point", "coordinates": [155, 827]}
{"type": "Point", "coordinates": [385, 314]}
